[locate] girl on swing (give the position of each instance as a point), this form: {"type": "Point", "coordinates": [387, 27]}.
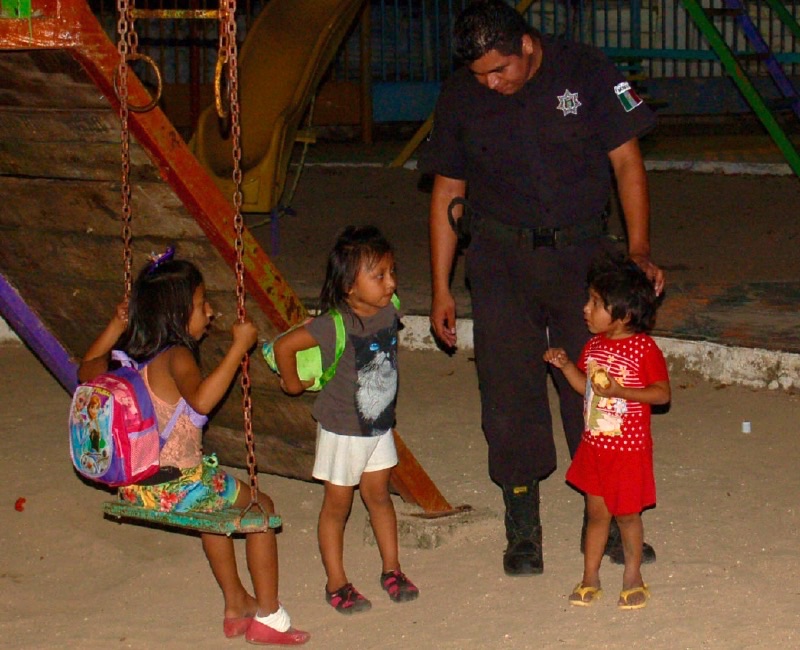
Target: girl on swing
{"type": "Point", "coordinates": [163, 325]}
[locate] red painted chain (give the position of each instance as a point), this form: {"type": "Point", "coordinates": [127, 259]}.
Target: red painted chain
{"type": "Point", "coordinates": [228, 41]}
{"type": "Point", "coordinates": [127, 43]}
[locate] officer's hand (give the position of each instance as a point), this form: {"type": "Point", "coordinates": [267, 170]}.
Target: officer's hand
{"type": "Point", "coordinates": [443, 319]}
{"type": "Point", "coordinates": [653, 272]}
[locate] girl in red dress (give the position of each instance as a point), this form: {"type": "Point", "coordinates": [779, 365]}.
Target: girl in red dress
{"type": "Point", "coordinates": [621, 373]}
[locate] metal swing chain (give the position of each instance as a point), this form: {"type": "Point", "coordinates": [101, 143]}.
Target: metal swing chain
{"type": "Point", "coordinates": [128, 41]}
{"type": "Point", "coordinates": [228, 42]}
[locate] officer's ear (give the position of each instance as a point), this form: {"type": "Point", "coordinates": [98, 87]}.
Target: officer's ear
{"type": "Point", "coordinates": [527, 44]}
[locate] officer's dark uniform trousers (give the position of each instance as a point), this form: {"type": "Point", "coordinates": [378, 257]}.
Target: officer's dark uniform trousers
{"type": "Point", "coordinates": [517, 291]}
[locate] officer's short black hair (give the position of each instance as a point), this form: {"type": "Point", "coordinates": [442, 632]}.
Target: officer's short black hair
{"type": "Point", "coordinates": [487, 25]}
{"type": "Point", "coordinates": [625, 289]}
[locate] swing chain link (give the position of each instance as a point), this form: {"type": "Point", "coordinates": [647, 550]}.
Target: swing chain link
{"type": "Point", "coordinates": [223, 110]}
{"type": "Point", "coordinates": [228, 39]}
{"type": "Point", "coordinates": [128, 42]}
{"type": "Point", "coordinates": [126, 47]}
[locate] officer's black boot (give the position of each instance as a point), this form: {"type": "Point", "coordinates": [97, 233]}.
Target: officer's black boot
{"type": "Point", "coordinates": [614, 549]}
{"type": "Point", "coordinates": [523, 555]}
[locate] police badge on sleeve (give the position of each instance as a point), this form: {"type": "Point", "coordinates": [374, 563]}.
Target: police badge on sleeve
{"type": "Point", "coordinates": [627, 96]}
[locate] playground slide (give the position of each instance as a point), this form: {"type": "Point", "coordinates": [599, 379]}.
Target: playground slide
{"type": "Point", "coordinates": [285, 54]}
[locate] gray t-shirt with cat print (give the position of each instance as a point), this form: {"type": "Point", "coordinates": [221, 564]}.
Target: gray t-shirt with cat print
{"type": "Point", "coordinates": [360, 398]}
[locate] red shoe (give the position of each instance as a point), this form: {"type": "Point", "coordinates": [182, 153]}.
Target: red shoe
{"type": "Point", "coordinates": [233, 627]}
{"type": "Point", "coordinates": [261, 634]}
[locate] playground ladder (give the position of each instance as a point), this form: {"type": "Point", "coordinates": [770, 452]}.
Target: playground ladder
{"type": "Point", "coordinates": [760, 51]}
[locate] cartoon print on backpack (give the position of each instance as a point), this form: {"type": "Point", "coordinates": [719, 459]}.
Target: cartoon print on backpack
{"type": "Point", "coordinates": [376, 369]}
{"type": "Point", "coordinates": [89, 420]}
{"type": "Point", "coordinates": [113, 433]}
{"type": "Point", "coordinates": [93, 413]}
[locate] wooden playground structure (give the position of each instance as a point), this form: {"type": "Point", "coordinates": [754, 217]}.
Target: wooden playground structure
{"type": "Point", "coordinates": [60, 255]}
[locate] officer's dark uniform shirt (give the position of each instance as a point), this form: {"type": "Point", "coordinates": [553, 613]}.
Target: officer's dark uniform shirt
{"type": "Point", "coordinates": [539, 157]}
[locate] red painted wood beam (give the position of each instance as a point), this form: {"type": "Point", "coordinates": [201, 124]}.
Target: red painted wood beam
{"type": "Point", "coordinates": [71, 25]}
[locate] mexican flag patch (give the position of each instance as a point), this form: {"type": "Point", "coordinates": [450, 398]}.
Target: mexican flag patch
{"type": "Point", "coordinates": [627, 96]}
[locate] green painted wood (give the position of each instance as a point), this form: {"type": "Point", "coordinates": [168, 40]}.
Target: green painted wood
{"type": "Point", "coordinates": [223, 522]}
{"type": "Point", "coordinates": [15, 9]}
{"type": "Point", "coordinates": [746, 87]}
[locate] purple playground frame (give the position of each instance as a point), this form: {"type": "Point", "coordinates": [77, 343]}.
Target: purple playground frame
{"type": "Point", "coordinates": [32, 331]}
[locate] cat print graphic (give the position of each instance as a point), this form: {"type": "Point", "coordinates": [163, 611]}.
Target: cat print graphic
{"type": "Point", "coordinates": [376, 372]}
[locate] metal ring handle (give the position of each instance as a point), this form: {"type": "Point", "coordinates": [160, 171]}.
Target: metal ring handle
{"type": "Point", "coordinates": [222, 112]}
{"type": "Point", "coordinates": [136, 56]}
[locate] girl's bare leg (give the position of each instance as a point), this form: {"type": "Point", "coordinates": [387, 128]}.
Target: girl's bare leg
{"type": "Point", "coordinates": [374, 489]}
{"type": "Point", "coordinates": [271, 625]}
{"type": "Point", "coordinates": [599, 519]}
{"type": "Point", "coordinates": [632, 533]}
{"type": "Point", "coordinates": [220, 553]}
{"type": "Point", "coordinates": [262, 556]}
{"type": "Point", "coordinates": [333, 516]}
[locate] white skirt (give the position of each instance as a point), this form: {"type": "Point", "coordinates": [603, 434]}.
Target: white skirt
{"type": "Point", "coordinates": [342, 460]}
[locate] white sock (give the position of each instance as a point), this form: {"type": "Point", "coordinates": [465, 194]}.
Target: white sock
{"type": "Point", "coordinates": [279, 620]}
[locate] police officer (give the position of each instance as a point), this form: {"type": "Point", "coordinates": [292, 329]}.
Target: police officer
{"type": "Point", "coordinates": [528, 132]}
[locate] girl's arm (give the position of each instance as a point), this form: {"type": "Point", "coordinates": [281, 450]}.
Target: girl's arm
{"type": "Point", "coordinates": [203, 394]}
{"type": "Point", "coordinates": [286, 347]}
{"type": "Point", "coordinates": [98, 356]}
{"type": "Point", "coordinates": [658, 392]}
{"type": "Point", "coordinates": [558, 357]}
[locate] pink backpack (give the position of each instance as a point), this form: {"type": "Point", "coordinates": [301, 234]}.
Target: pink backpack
{"type": "Point", "coordinates": [113, 431]}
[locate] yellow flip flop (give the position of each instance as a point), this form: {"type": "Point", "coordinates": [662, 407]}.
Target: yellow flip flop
{"type": "Point", "coordinates": [625, 595]}
{"type": "Point", "coordinates": [586, 595]}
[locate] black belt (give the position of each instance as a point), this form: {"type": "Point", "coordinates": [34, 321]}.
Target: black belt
{"type": "Point", "coordinates": [533, 238]}
{"type": "Point", "coordinates": [163, 475]}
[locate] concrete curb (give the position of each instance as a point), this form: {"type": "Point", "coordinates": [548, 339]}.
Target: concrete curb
{"type": "Point", "coordinates": [753, 367]}
{"type": "Point", "coordinates": [7, 335]}
{"type": "Point", "coordinates": [719, 167]}
{"type": "Point", "coordinates": [654, 164]}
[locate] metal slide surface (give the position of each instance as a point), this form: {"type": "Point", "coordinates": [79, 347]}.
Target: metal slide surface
{"type": "Point", "coordinates": [282, 61]}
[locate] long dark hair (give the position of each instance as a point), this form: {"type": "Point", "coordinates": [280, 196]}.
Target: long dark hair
{"type": "Point", "coordinates": [160, 308]}
{"type": "Point", "coordinates": [355, 246]}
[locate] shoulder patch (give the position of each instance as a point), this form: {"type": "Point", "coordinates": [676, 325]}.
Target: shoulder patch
{"type": "Point", "coordinates": [627, 96]}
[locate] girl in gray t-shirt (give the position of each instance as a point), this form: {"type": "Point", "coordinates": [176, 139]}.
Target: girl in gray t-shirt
{"type": "Point", "coordinates": [355, 410]}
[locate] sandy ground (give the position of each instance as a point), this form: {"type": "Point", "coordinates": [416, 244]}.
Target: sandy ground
{"type": "Point", "coordinates": [705, 228]}
{"type": "Point", "coordinates": [725, 529]}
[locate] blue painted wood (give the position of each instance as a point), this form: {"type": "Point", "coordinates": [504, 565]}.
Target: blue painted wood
{"type": "Point", "coordinates": [30, 328]}
{"type": "Point", "coordinates": [403, 102]}
{"type": "Point", "coordinates": [760, 46]}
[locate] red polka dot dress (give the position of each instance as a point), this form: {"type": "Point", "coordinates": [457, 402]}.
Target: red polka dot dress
{"type": "Point", "coordinates": [615, 457]}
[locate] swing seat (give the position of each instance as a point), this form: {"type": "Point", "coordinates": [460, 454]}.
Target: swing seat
{"type": "Point", "coordinates": [223, 522]}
